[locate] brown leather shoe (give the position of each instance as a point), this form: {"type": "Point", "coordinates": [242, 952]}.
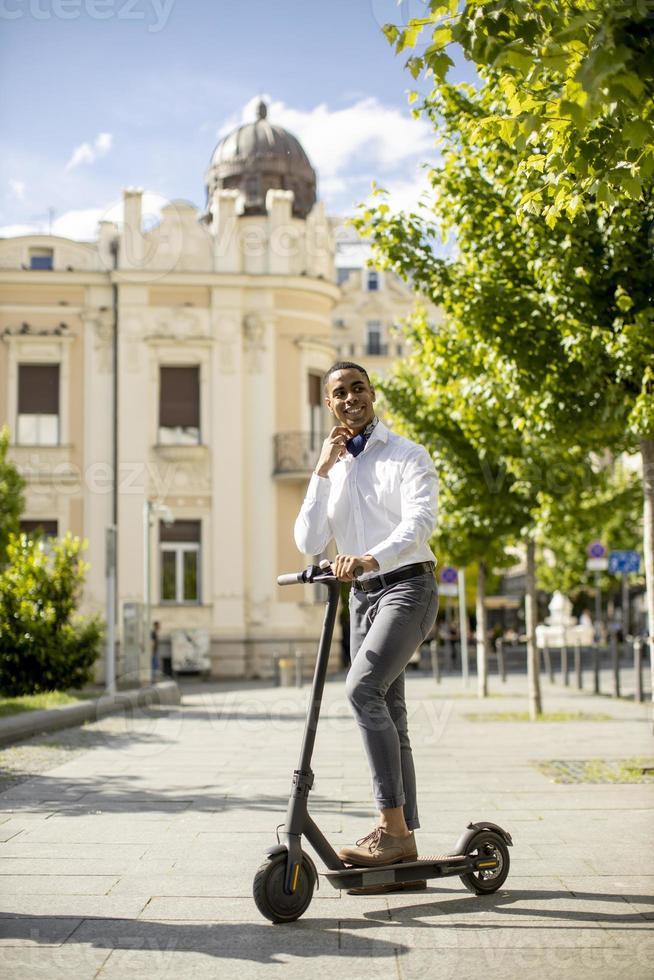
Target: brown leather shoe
{"type": "Point", "coordinates": [395, 886]}
{"type": "Point", "coordinates": [379, 848]}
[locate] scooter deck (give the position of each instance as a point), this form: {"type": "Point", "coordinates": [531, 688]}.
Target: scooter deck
{"type": "Point", "coordinates": [434, 866]}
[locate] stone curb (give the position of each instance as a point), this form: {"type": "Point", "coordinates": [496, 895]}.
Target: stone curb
{"type": "Point", "coordinates": [28, 723]}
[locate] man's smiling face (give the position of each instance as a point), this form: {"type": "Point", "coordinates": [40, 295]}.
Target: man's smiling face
{"type": "Point", "coordinates": [351, 398]}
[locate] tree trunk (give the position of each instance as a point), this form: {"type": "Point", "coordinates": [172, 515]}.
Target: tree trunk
{"type": "Point", "coordinates": [482, 633]}
{"type": "Point", "coordinates": [647, 454]}
{"type": "Point", "coordinates": [531, 615]}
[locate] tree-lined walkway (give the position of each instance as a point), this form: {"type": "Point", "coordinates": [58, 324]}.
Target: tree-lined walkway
{"type": "Point", "coordinates": [136, 856]}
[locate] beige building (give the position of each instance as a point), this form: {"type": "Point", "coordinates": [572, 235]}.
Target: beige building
{"type": "Point", "coordinates": [222, 325]}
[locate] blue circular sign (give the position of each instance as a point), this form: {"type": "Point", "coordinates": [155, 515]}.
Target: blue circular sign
{"type": "Point", "coordinates": [449, 575]}
{"type": "Point", "coordinates": [596, 550]}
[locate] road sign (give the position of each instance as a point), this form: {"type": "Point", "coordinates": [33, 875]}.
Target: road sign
{"type": "Point", "coordinates": [623, 562]}
{"type": "Point", "coordinates": [597, 564]}
{"type": "Point", "coordinates": [596, 550]}
{"type": "Point", "coordinates": [448, 582]}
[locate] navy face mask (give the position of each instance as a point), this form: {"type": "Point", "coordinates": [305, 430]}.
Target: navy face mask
{"type": "Point", "coordinates": [357, 443]}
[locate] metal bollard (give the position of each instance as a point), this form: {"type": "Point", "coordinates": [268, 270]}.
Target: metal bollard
{"type": "Point", "coordinates": [564, 666]}
{"type": "Point", "coordinates": [435, 660]}
{"type": "Point", "coordinates": [578, 666]}
{"type": "Point", "coordinates": [596, 668]}
{"type": "Point", "coordinates": [616, 665]}
{"type": "Point", "coordinates": [286, 668]}
{"type": "Point", "coordinates": [638, 668]}
{"type": "Point", "coordinates": [501, 664]}
{"type": "Point", "coordinates": [298, 668]}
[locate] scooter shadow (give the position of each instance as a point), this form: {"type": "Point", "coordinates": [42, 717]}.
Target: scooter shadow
{"type": "Point", "coordinates": [511, 902]}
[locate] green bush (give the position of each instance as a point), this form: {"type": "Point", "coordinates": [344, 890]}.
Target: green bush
{"type": "Point", "coordinates": [44, 645]}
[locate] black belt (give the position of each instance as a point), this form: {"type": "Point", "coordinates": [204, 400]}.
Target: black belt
{"type": "Point", "coordinates": [391, 578]}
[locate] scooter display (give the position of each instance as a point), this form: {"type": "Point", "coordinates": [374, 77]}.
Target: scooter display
{"type": "Point", "coordinates": [283, 886]}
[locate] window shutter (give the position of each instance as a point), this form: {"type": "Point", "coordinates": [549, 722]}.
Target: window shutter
{"type": "Point", "coordinates": [315, 393]}
{"type": "Point", "coordinates": [38, 389]}
{"type": "Point", "coordinates": [180, 531]}
{"type": "Point", "coordinates": [179, 396]}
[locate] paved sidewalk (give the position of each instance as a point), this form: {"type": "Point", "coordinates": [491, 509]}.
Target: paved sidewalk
{"type": "Point", "coordinates": [135, 856]}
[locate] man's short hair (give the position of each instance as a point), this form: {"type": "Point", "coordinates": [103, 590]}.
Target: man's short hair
{"type": "Point", "coordinates": [342, 366]}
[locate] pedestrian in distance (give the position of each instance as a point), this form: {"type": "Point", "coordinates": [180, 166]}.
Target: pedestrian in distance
{"type": "Point", "coordinates": [375, 493]}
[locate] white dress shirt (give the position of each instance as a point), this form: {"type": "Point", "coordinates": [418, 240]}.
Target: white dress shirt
{"type": "Point", "coordinates": [382, 503]}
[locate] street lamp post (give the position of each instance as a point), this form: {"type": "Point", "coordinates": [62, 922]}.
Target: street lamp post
{"type": "Point", "coordinates": [149, 510]}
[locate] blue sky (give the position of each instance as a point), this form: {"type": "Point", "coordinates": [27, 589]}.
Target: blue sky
{"type": "Point", "coordinates": [96, 95]}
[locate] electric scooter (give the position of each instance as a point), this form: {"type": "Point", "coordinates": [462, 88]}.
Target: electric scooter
{"type": "Point", "coordinates": [283, 885]}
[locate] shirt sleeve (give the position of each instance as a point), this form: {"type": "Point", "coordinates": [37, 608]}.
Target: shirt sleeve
{"type": "Point", "coordinates": [313, 530]}
{"type": "Point", "coordinates": [419, 508]}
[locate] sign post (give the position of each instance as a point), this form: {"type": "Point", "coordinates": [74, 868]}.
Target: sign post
{"type": "Point", "coordinates": [623, 563]}
{"type": "Point", "coordinates": [452, 584]}
{"type": "Point", "coordinates": [597, 561]}
{"type": "Point", "coordinates": [463, 627]}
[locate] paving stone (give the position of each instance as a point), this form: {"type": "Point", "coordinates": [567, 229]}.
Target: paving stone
{"type": "Point", "coordinates": [35, 930]}
{"type": "Point", "coordinates": [57, 884]}
{"type": "Point", "coordinates": [46, 963]}
{"type": "Point", "coordinates": [79, 906]}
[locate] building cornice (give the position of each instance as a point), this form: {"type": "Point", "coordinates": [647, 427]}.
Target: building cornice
{"type": "Point", "coordinates": [145, 277]}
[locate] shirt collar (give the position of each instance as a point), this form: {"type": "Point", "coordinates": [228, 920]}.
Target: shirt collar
{"type": "Point", "coordinates": [378, 431]}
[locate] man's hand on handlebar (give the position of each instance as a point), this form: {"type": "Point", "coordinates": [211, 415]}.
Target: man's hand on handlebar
{"type": "Point", "coordinates": [347, 567]}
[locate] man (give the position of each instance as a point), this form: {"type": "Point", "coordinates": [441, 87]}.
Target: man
{"type": "Point", "coordinates": [375, 493]}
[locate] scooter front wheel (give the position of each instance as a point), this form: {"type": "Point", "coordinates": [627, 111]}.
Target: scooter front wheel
{"type": "Point", "coordinates": [270, 897]}
{"type": "Point", "coordinates": [485, 881]}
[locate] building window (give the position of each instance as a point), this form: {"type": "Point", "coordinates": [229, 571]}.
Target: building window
{"type": "Point", "coordinates": [339, 324]}
{"type": "Point", "coordinates": [374, 338]}
{"type": "Point", "coordinates": [315, 410]}
{"type": "Point", "coordinates": [342, 275]}
{"type": "Point", "coordinates": [43, 529]}
{"type": "Point", "coordinates": [179, 552]}
{"type": "Point", "coordinates": [41, 258]}
{"type": "Point", "coordinates": [38, 405]}
{"type": "Point", "coordinates": [179, 406]}
{"type": "Point", "coordinates": [372, 281]}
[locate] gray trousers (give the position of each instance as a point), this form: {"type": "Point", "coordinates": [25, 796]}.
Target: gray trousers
{"type": "Point", "coordinates": [386, 627]}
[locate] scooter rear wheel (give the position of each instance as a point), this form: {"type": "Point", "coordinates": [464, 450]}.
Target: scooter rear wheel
{"type": "Point", "coordinates": [270, 897]}
{"type": "Point", "coordinates": [485, 881]}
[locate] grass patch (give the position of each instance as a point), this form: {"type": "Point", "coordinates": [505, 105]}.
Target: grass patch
{"type": "Point", "coordinates": [41, 702]}
{"type": "Point", "coordinates": [546, 716]}
{"type": "Point", "coordinates": [633, 770]}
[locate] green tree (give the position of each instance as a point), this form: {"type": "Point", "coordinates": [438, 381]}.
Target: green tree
{"type": "Point", "coordinates": [501, 483]}
{"type": "Point", "coordinates": [438, 397]}
{"type": "Point", "coordinates": [575, 87]}
{"type": "Point", "coordinates": [44, 645]}
{"type": "Point", "coordinates": [609, 509]}
{"type": "Point", "coordinates": [566, 312]}
{"type": "Point", "coordinates": [12, 501]}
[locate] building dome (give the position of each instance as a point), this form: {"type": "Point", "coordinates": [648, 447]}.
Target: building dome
{"type": "Point", "coordinates": [257, 157]}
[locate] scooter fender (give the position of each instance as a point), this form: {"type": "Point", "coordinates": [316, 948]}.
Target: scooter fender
{"type": "Point", "coordinates": [271, 852]}
{"type": "Point", "coordinates": [461, 846]}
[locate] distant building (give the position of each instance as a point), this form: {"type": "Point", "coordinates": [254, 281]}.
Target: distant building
{"type": "Point", "coordinates": [226, 322]}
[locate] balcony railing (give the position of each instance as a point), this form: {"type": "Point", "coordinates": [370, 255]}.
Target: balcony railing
{"type": "Point", "coordinates": [295, 453]}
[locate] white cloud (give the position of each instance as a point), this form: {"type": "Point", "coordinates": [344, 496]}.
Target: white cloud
{"type": "Point", "coordinates": [89, 153]}
{"type": "Point", "coordinates": [17, 188]}
{"type": "Point", "coordinates": [380, 135]}
{"type": "Point", "coordinates": [14, 231]}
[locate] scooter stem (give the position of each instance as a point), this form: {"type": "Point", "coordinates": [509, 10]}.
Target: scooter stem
{"type": "Point", "coordinates": [319, 675]}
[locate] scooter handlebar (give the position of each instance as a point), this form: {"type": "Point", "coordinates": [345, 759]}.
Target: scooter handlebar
{"type": "Point", "coordinates": [313, 574]}
{"type": "Point", "coordinates": [291, 578]}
